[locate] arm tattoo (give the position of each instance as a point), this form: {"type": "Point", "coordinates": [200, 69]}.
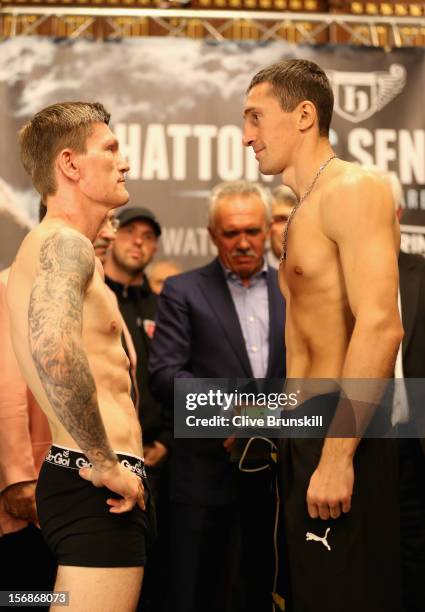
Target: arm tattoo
{"type": "Point", "coordinates": [55, 320]}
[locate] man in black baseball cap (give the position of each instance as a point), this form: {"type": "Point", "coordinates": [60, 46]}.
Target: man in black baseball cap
{"type": "Point", "coordinates": [135, 245]}
{"type": "Point", "coordinates": [129, 214]}
{"type": "Point", "coordinates": [136, 242]}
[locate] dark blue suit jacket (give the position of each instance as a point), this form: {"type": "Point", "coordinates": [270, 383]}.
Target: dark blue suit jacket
{"type": "Point", "coordinates": [198, 334]}
{"type": "Point", "coordinates": [412, 292]}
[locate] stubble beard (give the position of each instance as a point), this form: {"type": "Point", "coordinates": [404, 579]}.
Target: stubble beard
{"type": "Point", "coordinates": [132, 270]}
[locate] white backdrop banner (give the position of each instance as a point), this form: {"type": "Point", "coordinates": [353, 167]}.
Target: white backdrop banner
{"type": "Point", "coordinates": [176, 107]}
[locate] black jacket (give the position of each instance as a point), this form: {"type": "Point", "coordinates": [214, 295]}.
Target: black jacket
{"type": "Point", "coordinates": [412, 292]}
{"type": "Point", "coordinates": [138, 307]}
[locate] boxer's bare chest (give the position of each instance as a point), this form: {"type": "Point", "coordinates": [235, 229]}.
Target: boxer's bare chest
{"type": "Point", "coordinates": [312, 266]}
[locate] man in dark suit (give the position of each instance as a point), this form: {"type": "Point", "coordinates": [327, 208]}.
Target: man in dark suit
{"type": "Point", "coordinates": [412, 291]}
{"type": "Point", "coordinates": [412, 450]}
{"type": "Point", "coordinates": [224, 320]}
{"type": "Point", "coordinates": [408, 414]}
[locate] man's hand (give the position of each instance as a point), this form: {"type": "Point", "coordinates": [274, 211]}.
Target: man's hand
{"type": "Point", "coordinates": [155, 453]}
{"type": "Point", "coordinates": [119, 480]}
{"type": "Point", "coordinates": [331, 488]}
{"type": "Point", "coordinates": [229, 443]}
{"type": "Point", "coordinates": [19, 501]}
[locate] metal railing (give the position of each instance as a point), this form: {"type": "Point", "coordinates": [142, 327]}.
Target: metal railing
{"type": "Point", "coordinates": [115, 23]}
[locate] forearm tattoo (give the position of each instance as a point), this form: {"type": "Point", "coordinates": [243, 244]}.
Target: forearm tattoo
{"type": "Point", "coordinates": [55, 320]}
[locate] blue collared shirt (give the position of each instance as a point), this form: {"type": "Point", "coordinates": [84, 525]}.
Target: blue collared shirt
{"type": "Point", "coordinates": [252, 307]}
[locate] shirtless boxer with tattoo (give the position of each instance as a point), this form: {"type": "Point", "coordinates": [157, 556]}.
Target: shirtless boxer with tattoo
{"type": "Point", "coordinates": [66, 332]}
{"type": "Point", "coordinates": [339, 276]}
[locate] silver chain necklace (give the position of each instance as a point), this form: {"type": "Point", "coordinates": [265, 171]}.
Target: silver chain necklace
{"type": "Point", "coordinates": [298, 204]}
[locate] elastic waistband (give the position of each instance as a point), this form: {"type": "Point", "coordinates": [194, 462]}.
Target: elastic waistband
{"type": "Point", "coordinates": [73, 459]}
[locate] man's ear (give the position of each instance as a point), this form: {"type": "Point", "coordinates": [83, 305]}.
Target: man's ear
{"type": "Point", "coordinates": [67, 164]}
{"type": "Point", "coordinates": [306, 115]}
{"type": "Point", "coordinates": [212, 235]}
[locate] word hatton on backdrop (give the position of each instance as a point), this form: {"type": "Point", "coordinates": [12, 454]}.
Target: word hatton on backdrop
{"type": "Point", "coordinates": [177, 151]}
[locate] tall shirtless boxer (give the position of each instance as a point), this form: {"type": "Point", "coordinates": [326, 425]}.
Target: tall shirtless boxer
{"type": "Point", "coordinates": [66, 333]}
{"type": "Point", "coordinates": [339, 277]}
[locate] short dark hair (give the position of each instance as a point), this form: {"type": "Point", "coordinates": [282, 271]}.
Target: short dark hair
{"type": "Point", "coordinates": [67, 124]}
{"type": "Point", "coordinates": [295, 80]}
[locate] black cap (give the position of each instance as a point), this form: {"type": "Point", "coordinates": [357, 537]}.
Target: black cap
{"type": "Point", "coordinates": [127, 215]}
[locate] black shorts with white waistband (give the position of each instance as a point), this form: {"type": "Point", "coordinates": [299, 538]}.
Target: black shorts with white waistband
{"type": "Point", "coordinates": [75, 519]}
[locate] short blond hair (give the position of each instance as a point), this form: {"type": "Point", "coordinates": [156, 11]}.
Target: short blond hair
{"type": "Point", "coordinates": [56, 127]}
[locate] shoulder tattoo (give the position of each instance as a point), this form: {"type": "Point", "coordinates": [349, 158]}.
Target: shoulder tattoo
{"type": "Point", "coordinates": [55, 319]}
